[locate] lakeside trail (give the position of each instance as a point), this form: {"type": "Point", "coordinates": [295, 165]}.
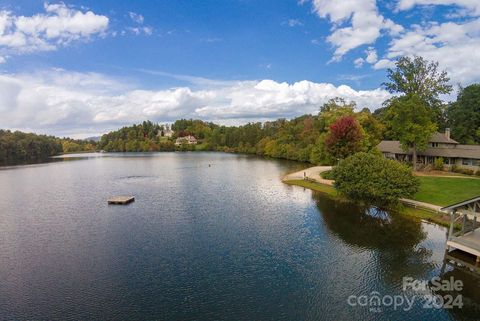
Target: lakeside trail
{"type": "Point", "coordinates": [313, 174]}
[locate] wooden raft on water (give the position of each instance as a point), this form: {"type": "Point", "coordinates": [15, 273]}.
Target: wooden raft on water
{"type": "Point", "coordinates": [121, 200]}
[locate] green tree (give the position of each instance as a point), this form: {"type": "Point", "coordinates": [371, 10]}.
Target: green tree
{"type": "Point", "coordinates": [412, 116]}
{"type": "Point", "coordinates": [411, 121]}
{"type": "Point", "coordinates": [26, 147]}
{"type": "Point", "coordinates": [373, 129]}
{"type": "Point", "coordinates": [464, 115]}
{"type": "Point", "coordinates": [334, 109]}
{"type": "Point", "coordinates": [374, 179]}
{"type": "Point", "coordinates": [419, 77]}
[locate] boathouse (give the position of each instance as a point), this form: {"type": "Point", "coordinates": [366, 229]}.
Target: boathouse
{"type": "Point", "coordinates": [464, 244]}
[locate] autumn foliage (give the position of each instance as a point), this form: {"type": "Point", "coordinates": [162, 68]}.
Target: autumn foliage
{"type": "Point", "coordinates": [344, 138]}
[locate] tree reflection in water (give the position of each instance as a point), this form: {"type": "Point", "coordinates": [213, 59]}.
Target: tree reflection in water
{"type": "Point", "coordinates": [394, 239]}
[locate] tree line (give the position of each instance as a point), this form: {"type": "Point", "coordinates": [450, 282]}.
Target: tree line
{"type": "Point", "coordinates": [411, 116]}
{"type": "Point", "coordinates": [18, 147]}
{"type": "Point", "coordinates": [302, 138]}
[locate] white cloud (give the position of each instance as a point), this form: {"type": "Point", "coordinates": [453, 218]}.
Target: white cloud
{"type": "Point", "coordinates": [138, 27]}
{"type": "Point", "coordinates": [365, 21]}
{"type": "Point", "coordinates": [359, 62]}
{"type": "Point", "coordinates": [383, 64]}
{"type": "Point", "coordinates": [371, 55]}
{"type": "Point", "coordinates": [136, 17]}
{"type": "Point", "coordinates": [472, 6]}
{"type": "Point", "coordinates": [293, 23]}
{"type": "Point", "coordinates": [139, 30]}
{"type": "Point", "coordinates": [66, 103]}
{"type": "Point", "coordinates": [58, 26]}
{"type": "Point", "coordinates": [454, 45]}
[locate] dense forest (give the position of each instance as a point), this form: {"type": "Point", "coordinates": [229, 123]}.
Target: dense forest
{"type": "Point", "coordinates": [145, 137]}
{"type": "Point", "coordinates": [18, 147]}
{"type": "Point", "coordinates": [302, 138]}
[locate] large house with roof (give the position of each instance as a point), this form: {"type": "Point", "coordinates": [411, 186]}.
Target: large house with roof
{"type": "Point", "coordinates": [189, 140]}
{"type": "Point", "coordinates": [439, 145]}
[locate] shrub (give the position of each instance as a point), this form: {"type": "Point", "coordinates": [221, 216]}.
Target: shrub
{"type": "Point", "coordinates": [438, 164]}
{"type": "Point", "coordinates": [467, 171]}
{"type": "Point", "coordinates": [327, 175]}
{"type": "Point", "coordinates": [374, 179]}
{"type": "Point", "coordinates": [464, 171]}
{"type": "Point", "coordinates": [477, 173]}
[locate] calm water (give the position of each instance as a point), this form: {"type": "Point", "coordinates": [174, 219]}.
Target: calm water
{"type": "Point", "coordinates": [211, 236]}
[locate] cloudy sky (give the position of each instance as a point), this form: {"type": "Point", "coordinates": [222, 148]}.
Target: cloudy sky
{"type": "Point", "coordinates": [82, 68]}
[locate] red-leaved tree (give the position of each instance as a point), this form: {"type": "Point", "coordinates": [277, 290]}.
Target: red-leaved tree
{"type": "Point", "coordinates": [344, 138]}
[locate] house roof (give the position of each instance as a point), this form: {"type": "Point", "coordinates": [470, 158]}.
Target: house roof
{"type": "Point", "coordinates": [463, 204]}
{"type": "Point", "coordinates": [189, 137]}
{"type": "Point", "coordinates": [441, 138]}
{"type": "Point", "coordinates": [455, 151]}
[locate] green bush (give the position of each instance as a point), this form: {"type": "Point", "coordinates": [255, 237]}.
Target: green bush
{"type": "Point", "coordinates": [374, 180]}
{"type": "Point", "coordinates": [477, 173]}
{"type": "Point", "coordinates": [438, 164]}
{"type": "Point", "coordinates": [326, 175]}
{"type": "Point", "coordinates": [464, 171]}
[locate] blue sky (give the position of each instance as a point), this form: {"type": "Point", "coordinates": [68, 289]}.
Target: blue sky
{"type": "Point", "coordinates": [81, 68]}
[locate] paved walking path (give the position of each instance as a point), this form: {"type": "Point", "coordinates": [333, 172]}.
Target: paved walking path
{"type": "Point", "coordinates": [313, 173]}
{"type": "Point", "coordinates": [438, 174]}
{"type": "Point", "coordinates": [424, 205]}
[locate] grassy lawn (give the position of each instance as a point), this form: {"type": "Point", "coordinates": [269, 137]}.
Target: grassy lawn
{"type": "Point", "coordinates": [314, 186]}
{"type": "Point", "coordinates": [445, 190]}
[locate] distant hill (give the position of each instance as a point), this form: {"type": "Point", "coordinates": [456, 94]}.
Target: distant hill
{"type": "Point", "coordinates": [96, 139]}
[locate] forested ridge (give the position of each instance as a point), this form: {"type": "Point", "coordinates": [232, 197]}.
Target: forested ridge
{"type": "Point", "coordinates": [17, 147]}
{"type": "Point", "coordinates": [302, 138]}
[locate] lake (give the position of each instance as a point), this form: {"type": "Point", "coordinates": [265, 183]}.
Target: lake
{"type": "Point", "coordinates": [210, 236]}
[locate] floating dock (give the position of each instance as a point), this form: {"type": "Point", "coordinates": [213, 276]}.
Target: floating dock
{"type": "Point", "coordinates": [121, 200]}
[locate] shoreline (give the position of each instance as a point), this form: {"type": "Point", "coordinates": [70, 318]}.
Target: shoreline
{"type": "Point", "coordinates": [310, 178]}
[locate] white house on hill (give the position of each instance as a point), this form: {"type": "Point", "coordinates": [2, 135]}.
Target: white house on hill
{"type": "Point", "coordinates": [189, 140]}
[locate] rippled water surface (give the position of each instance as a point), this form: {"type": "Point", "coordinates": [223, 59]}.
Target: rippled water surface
{"type": "Point", "coordinates": [210, 236]}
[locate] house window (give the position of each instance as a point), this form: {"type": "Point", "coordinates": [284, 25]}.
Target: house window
{"type": "Point", "coordinates": [434, 144]}
{"type": "Point", "coordinates": [466, 161]}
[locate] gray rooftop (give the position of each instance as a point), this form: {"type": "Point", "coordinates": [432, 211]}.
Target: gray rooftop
{"type": "Point", "coordinates": [460, 151]}
{"type": "Point", "coordinates": [441, 138]}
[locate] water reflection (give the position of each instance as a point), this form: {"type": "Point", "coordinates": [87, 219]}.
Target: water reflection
{"type": "Point", "coordinates": [395, 238]}
{"type": "Point", "coordinates": [398, 242]}
{"type": "Point", "coordinates": [221, 242]}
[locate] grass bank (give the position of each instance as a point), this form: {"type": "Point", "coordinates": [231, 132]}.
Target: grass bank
{"type": "Point", "coordinates": [331, 192]}
{"type": "Point", "coordinates": [326, 189]}
{"type": "Point", "coordinates": [445, 191]}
